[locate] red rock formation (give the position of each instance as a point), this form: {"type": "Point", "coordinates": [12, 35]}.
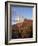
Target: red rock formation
{"type": "Point", "coordinates": [24, 28]}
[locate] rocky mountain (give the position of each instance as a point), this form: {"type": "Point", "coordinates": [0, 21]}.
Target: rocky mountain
{"type": "Point", "coordinates": [24, 28]}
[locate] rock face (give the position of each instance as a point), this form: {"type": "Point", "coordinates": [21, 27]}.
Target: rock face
{"type": "Point", "coordinates": [22, 30]}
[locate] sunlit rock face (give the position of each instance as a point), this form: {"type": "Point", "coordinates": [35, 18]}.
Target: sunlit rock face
{"type": "Point", "coordinates": [23, 30]}
{"type": "Point", "coordinates": [17, 19]}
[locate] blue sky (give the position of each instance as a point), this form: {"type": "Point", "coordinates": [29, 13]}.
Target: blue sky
{"type": "Point", "coordinates": [26, 12]}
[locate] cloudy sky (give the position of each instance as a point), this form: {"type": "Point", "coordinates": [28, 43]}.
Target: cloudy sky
{"type": "Point", "coordinates": [26, 12]}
